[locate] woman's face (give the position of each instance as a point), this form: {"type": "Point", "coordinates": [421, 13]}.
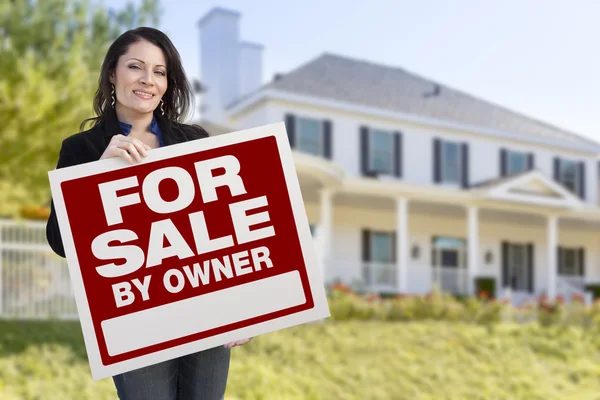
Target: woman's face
{"type": "Point", "coordinates": [140, 79]}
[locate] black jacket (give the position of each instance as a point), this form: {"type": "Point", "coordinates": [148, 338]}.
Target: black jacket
{"type": "Point", "coordinates": [89, 145]}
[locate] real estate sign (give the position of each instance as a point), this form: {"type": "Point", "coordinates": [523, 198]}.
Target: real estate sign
{"type": "Point", "coordinates": [200, 244]}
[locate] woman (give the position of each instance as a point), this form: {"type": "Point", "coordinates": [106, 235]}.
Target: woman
{"type": "Point", "coordinates": [141, 102]}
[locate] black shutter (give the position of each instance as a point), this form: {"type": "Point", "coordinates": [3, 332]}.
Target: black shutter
{"type": "Point", "coordinates": [366, 255]}
{"type": "Point", "coordinates": [437, 160]}
{"type": "Point", "coordinates": [559, 258]}
{"type": "Point", "coordinates": [505, 282]}
{"type": "Point", "coordinates": [465, 165]}
{"type": "Point", "coordinates": [530, 267]}
{"type": "Point", "coordinates": [394, 247]}
{"type": "Point", "coordinates": [556, 168]}
{"type": "Point", "coordinates": [364, 149]}
{"type": "Point", "coordinates": [366, 245]}
{"type": "Point", "coordinates": [398, 154]}
{"type": "Point", "coordinates": [582, 180]}
{"type": "Point", "coordinates": [290, 127]}
{"type": "Point", "coordinates": [503, 157]}
{"type": "Point", "coordinates": [582, 261]}
{"type": "Point", "coordinates": [530, 161]}
{"type": "Point", "coordinates": [327, 139]}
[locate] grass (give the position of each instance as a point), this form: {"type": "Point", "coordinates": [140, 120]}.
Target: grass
{"type": "Point", "coordinates": [341, 360]}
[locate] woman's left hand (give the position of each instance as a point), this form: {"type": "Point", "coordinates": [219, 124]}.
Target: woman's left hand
{"type": "Point", "coordinates": [237, 343]}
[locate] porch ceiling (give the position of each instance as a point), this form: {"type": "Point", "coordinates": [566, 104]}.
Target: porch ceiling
{"type": "Point", "coordinates": [309, 186]}
{"type": "Point", "coordinates": [512, 217]}
{"type": "Point", "coordinates": [365, 201]}
{"type": "Point", "coordinates": [387, 204]}
{"type": "Point", "coordinates": [437, 209]}
{"type": "Point", "coordinates": [322, 171]}
{"type": "Point", "coordinates": [580, 225]}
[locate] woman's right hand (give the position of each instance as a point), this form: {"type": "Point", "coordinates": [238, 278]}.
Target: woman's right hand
{"type": "Point", "coordinates": [126, 147]}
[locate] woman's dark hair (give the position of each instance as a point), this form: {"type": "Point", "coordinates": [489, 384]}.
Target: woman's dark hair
{"type": "Point", "coordinates": [179, 95]}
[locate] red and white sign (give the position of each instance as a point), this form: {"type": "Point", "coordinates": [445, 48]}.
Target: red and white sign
{"type": "Point", "coordinates": [200, 244]}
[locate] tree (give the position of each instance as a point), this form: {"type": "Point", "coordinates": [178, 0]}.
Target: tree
{"type": "Point", "coordinates": [50, 57]}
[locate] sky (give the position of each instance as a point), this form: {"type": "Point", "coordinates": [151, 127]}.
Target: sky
{"type": "Point", "coordinates": [540, 58]}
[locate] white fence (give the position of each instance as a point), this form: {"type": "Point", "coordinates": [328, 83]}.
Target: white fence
{"type": "Point", "coordinates": [34, 281]}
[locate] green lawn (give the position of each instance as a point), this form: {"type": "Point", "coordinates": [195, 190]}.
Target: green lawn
{"type": "Point", "coordinates": [340, 360]}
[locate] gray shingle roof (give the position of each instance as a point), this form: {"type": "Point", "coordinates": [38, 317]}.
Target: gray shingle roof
{"type": "Point", "coordinates": [362, 82]}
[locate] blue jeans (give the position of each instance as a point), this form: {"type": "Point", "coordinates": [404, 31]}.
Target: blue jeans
{"type": "Point", "coordinates": [198, 376]}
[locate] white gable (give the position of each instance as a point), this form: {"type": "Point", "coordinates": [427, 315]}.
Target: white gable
{"type": "Point", "coordinates": [532, 187]}
{"type": "Point", "coordinates": [535, 187]}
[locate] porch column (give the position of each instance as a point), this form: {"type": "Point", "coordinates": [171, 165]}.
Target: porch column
{"type": "Point", "coordinates": [473, 251]}
{"type": "Point", "coordinates": [402, 244]}
{"type": "Point", "coordinates": [552, 232]}
{"type": "Point", "coordinates": [325, 229]}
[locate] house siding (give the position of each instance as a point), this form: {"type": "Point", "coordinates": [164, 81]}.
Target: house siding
{"type": "Point", "coordinates": [417, 166]}
{"type": "Point", "coordinates": [417, 146]}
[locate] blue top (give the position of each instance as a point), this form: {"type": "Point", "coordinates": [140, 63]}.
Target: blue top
{"type": "Point", "coordinates": [154, 128]}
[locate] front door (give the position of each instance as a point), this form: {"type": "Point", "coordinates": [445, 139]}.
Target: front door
{"type": "Point", "coordinates": [449, 264]}
{"type": "Point", "coordinates": [518, 266]}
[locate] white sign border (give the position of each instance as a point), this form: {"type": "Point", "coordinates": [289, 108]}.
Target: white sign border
{"type": "Point", "coordinates": [318, 312]}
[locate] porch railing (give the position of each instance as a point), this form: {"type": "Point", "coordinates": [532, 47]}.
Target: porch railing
{"type": "Point", "coordinates": [34, 282]}
{"type": "Point", "coordinates": [451, 280]}
{"type": "Point", "coordinates": [570, 286]}
{"type": "Point", "coordinates": [383, 277]}
{"type": "Point", "coordinates": [573, 281]}
{"type": "Point", "coordinates": [380, 276]}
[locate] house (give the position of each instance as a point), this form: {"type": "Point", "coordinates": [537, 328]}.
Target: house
{"type": "Point", "coordinates": [409, 183]}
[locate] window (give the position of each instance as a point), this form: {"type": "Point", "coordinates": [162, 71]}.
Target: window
{"type": "Point", "coordinates": [568, 175]}
{"type": "Point", "coordinates": [569, 262]}
{"type": "Point", "coordinates": [309, 136]}
{"type": "Point", "coordinates": [516, 162]}
{"type": "Point", "coordinates": [382, 247]}
{"type": "Point", "coordinates": [382, 151]}
{"type": "Point", "coordinates": [451, 162]}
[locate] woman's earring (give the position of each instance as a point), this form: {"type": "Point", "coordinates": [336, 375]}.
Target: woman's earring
{"type": "Point", "coordinates": [161, 106]}
{"type": "Point", "coordinates": [112, 95]}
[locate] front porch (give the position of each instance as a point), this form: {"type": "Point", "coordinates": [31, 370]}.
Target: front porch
{"type": "Point", "coordinates": [382, 277]}
{"type": "Point", "coordinates": [526, 234]}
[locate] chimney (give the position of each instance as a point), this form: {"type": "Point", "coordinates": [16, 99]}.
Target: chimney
{"type": "Point", "coordinates": [250, 67]}
{"type": "Point", "coordinates": [219, 61]}
{"type": "Point", "coordinates": [229, 67]}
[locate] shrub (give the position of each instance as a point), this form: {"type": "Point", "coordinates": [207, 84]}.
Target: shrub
{"type": "Point", "coordinates": [346, 304]}
{"type": "Point", "coordinates": [594, 289]}
{"type": "Point", "coordinates": [485, 286]}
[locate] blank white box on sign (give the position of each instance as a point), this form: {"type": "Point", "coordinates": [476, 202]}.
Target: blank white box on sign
{"type": "Point", "coordinates": [161, 324]}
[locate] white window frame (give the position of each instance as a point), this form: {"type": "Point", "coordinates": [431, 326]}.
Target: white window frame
{"type": "Point", "coordinates": [372, 148]}
{"type": "Point", "coordinates": [561, 172]}
{"type": "Point", "coordinates": [510, 153]}
{"type": "Point", "coordinates": [443, 144]}
{"type": "Point", "coordinates": [298, 138]}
